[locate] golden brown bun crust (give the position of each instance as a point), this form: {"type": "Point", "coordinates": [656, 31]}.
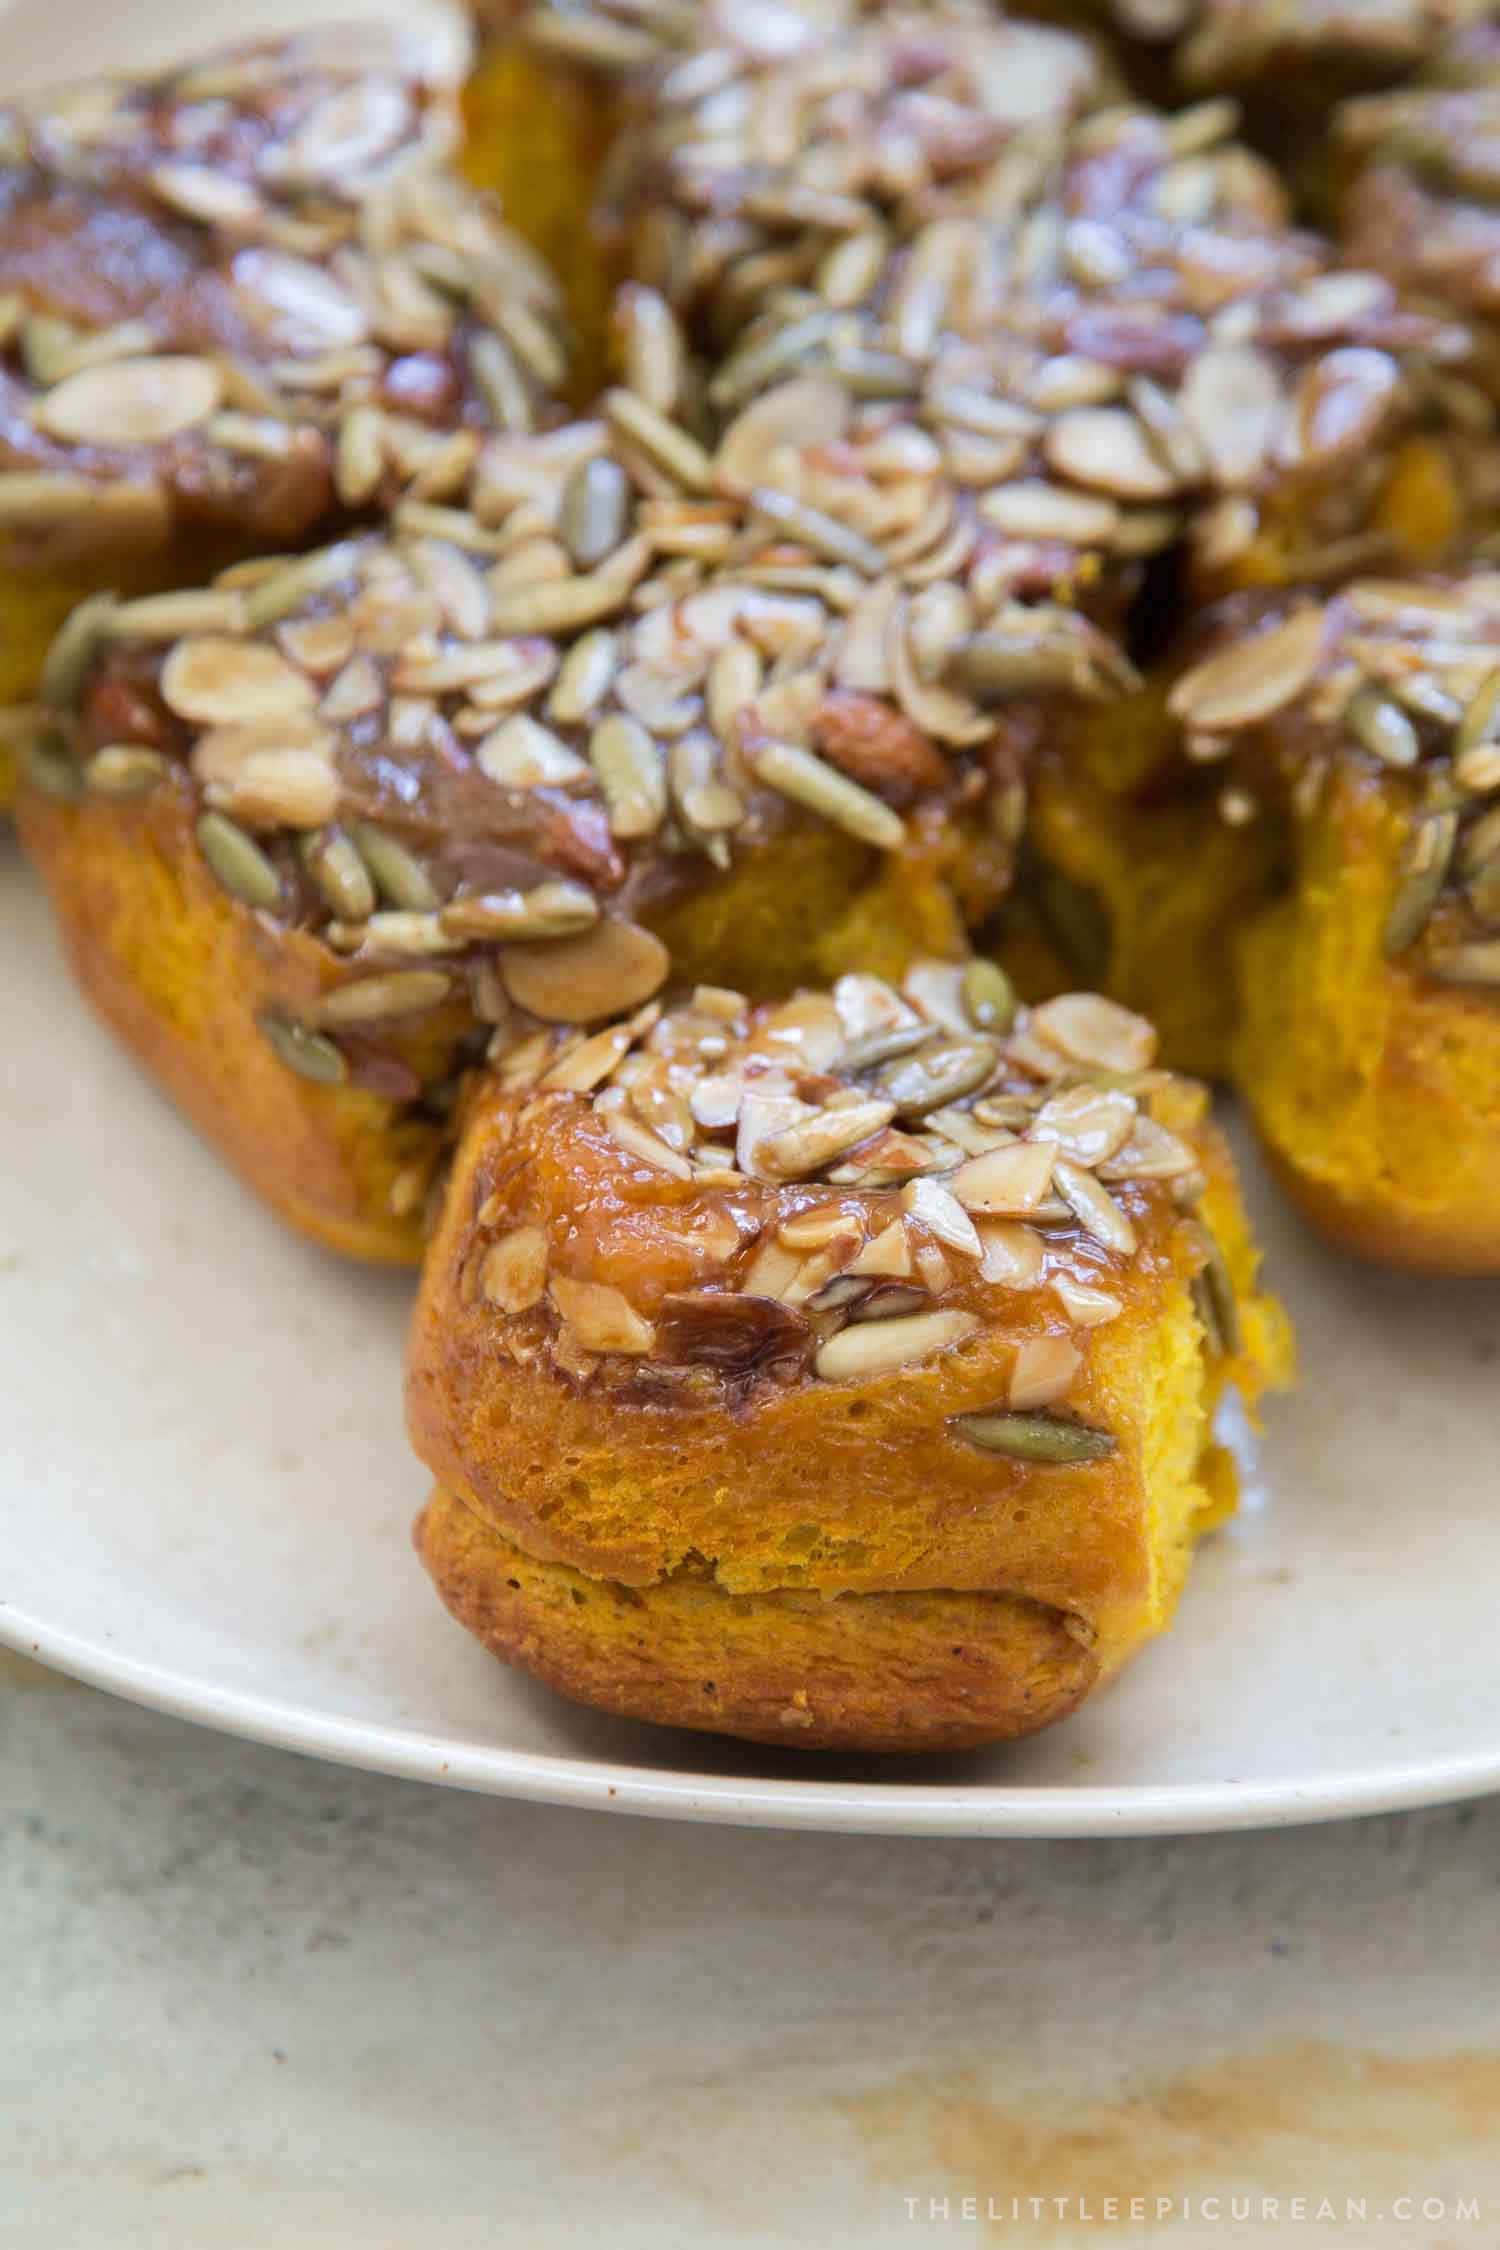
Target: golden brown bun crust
{"type": "Point", "coordinates": [180, 971]}
{"type": "Point", "coordinates": [631, 1470]}
{"type": "Point", "coordinates": [863, 1672]}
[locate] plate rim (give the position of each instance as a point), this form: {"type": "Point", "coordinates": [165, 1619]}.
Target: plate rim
{"type": "Point", "coordinates": [873, 1808]}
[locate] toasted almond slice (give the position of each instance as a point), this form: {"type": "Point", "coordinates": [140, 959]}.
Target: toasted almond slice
{"type": "Point", "coordinates": [131, 401]}
{"type": "Point", "coordinates": [772, 1270]}
{"type": "Point", "coordinates": [601, 1318]}
{"type": "Point", "coordinates": [211, 679]}
{"type": "Point", "coordinates": [1012, 1254]}
{"type": "Point", "coordinates": [600, 972]}
{"type": "Point", "coordinates": [1085, 1306]}
{"type": "Point", "coordinates": [874, 1347]}
{"type": "Point", "coordinates": [941, 1213]}
{"type": "Point", "coordinates": [641, 1142]}
{"type": "Point", "coordinates": [513, 1274]}
{"type": "Point", "coordinates": [815, 1229]}
{"type": "Point", "coordinates": [1008, 1181]}
{"type": "Point", "coordinates": [1042, 1371]}
{"type": "Point", "coordinates": [887, 1255]}
{"type": "Point", "coordinates": [1095, 1208]}
{"type": "Point", "coordinates": [588, 1065]}
{"type": "Point", "coordinates": [1089, 1029]}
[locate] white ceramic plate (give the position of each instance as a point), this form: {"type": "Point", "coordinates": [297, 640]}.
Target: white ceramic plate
{"type": "Point", "coordinates": [205, 1497]}
{"type": "Point", "coordinates": [204, 1490]}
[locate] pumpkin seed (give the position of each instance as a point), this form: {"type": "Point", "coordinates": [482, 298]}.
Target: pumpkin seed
{"type": "Point", "coordinates": [939, 1072]}
{"type": "Point", "coordinates": [67, 660]}
{"type": "Point", "coordinates": [1381, 727]}
{"type": "Point", "coordinates": [989, 996]}
{"type": "Point", "coordinates": [1035, 1437]}
{"type": "Point", "coordinates": [238, 861]}
{"type": "Point", "coordinates": [125, 769]}
{"type": "Point", "coordinates": [306, 1052]}
{"type": "Point", "coordinates": [1216, 1302]}
{"type": "Point", "coordinates": [1425, 870]}
{"type": "Point", "coordinates": [341, 876]}
{"type": "Point", "coordinates": [400, 877]}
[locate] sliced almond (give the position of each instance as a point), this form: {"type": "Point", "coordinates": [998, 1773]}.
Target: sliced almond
{"type": "Point", "coordinates": [941, 1213]}
{"type": "Point", "coordinates": [131, 401]}
{"type": "Point", "coordinates": [1011, 1254]}
{"type": "Point", "coordinates": [212, 679]}
{"type": "Point", "coordinates": [1090, 1029]}
{"type": "Point", "coordinates": [874, 1347]}
{"type": "Point", "coordinates": [1085, 1306]}
{"type": "Point", "coordinates": [639, 1141]}
{"type": "Point", "coordinates": [513, 1274]}
{"type": "Point", "coordinates": [600, 972]}
{"type": "Point", "coordinates": [794, 416]}
{"type": "Point", "coordinates": [1095, 1208]}
{"type": "Point", "coordinates": [589, 1063]}
{"type": "Point", "coordinates": [601, 1318]}
{"type": "Point", "coordinates": [1042, 1371]}
{"type": "Point", "coordinates": [1008, 1181]}
{"type": "Point", "coordinates": [887, 1255]}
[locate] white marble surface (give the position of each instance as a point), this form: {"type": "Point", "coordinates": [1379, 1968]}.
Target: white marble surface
{"type": "Point", "coordinates": [251, 2000]}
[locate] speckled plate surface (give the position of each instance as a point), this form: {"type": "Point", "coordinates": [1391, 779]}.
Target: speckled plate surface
{"type": "Point", "coordinates": [206, 1495]}
{"type": "Point", "coordinates": [205, 1492]}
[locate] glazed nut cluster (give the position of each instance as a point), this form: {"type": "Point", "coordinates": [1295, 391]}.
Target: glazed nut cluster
{"type": "Point", "coordinates": [1406, 675]}
{"type": "Point", "coordinates": [278, 303]}
{"type": "Point", "coordinates": [871, 1157]}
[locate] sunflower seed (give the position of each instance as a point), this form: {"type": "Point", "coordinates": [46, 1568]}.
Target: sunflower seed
{"type": "Point", "coordinates": [593, 511]}
{"type": "Point", "coordinates": [125, 769]}
{"type": "Point", "coordinates": [651, 347]}
{"type": "Point", "coordinates": [665, 443]}
{"type": "Point", "coordinates": [875, 1347]}
{"type": "Point", "coordinates": [822, 534]}
{"type": "Point", "coordinates": [404, 992]}
{"type": "Point", "coordinates": [994, 667]}
{"type": "Point", "coordinates": [1425, 867]}
{"type": "Point", "coordinates": [734, 680]}
{"type": "Point", "coordinates": [238, 861]}
{"type": "Point", "coordinates": [1480, 723]}
{"type": "Point", "coordinates": [38, 500]}
{"type": "Point", "coordinates": [359, 455]}
{"type": "Point", "coordinates": [808, 781]}
{"type": "Point", "coordinates": [1035, 1437]}
{"type": "Point", "coordinates": [166, 617]}
{"type": "Point", "coordinates": [549, 910]}
{"type": "Point", "coordinates": [1476, 963]}
{"type": "Point", "coordinates": [632, 776]}
{"type": "Point", "coordinates": [584, 679]}
{"type": "Point", "coordinates": [306, 1052]}
{"type": "Point", "coordinates": [282, 590]}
